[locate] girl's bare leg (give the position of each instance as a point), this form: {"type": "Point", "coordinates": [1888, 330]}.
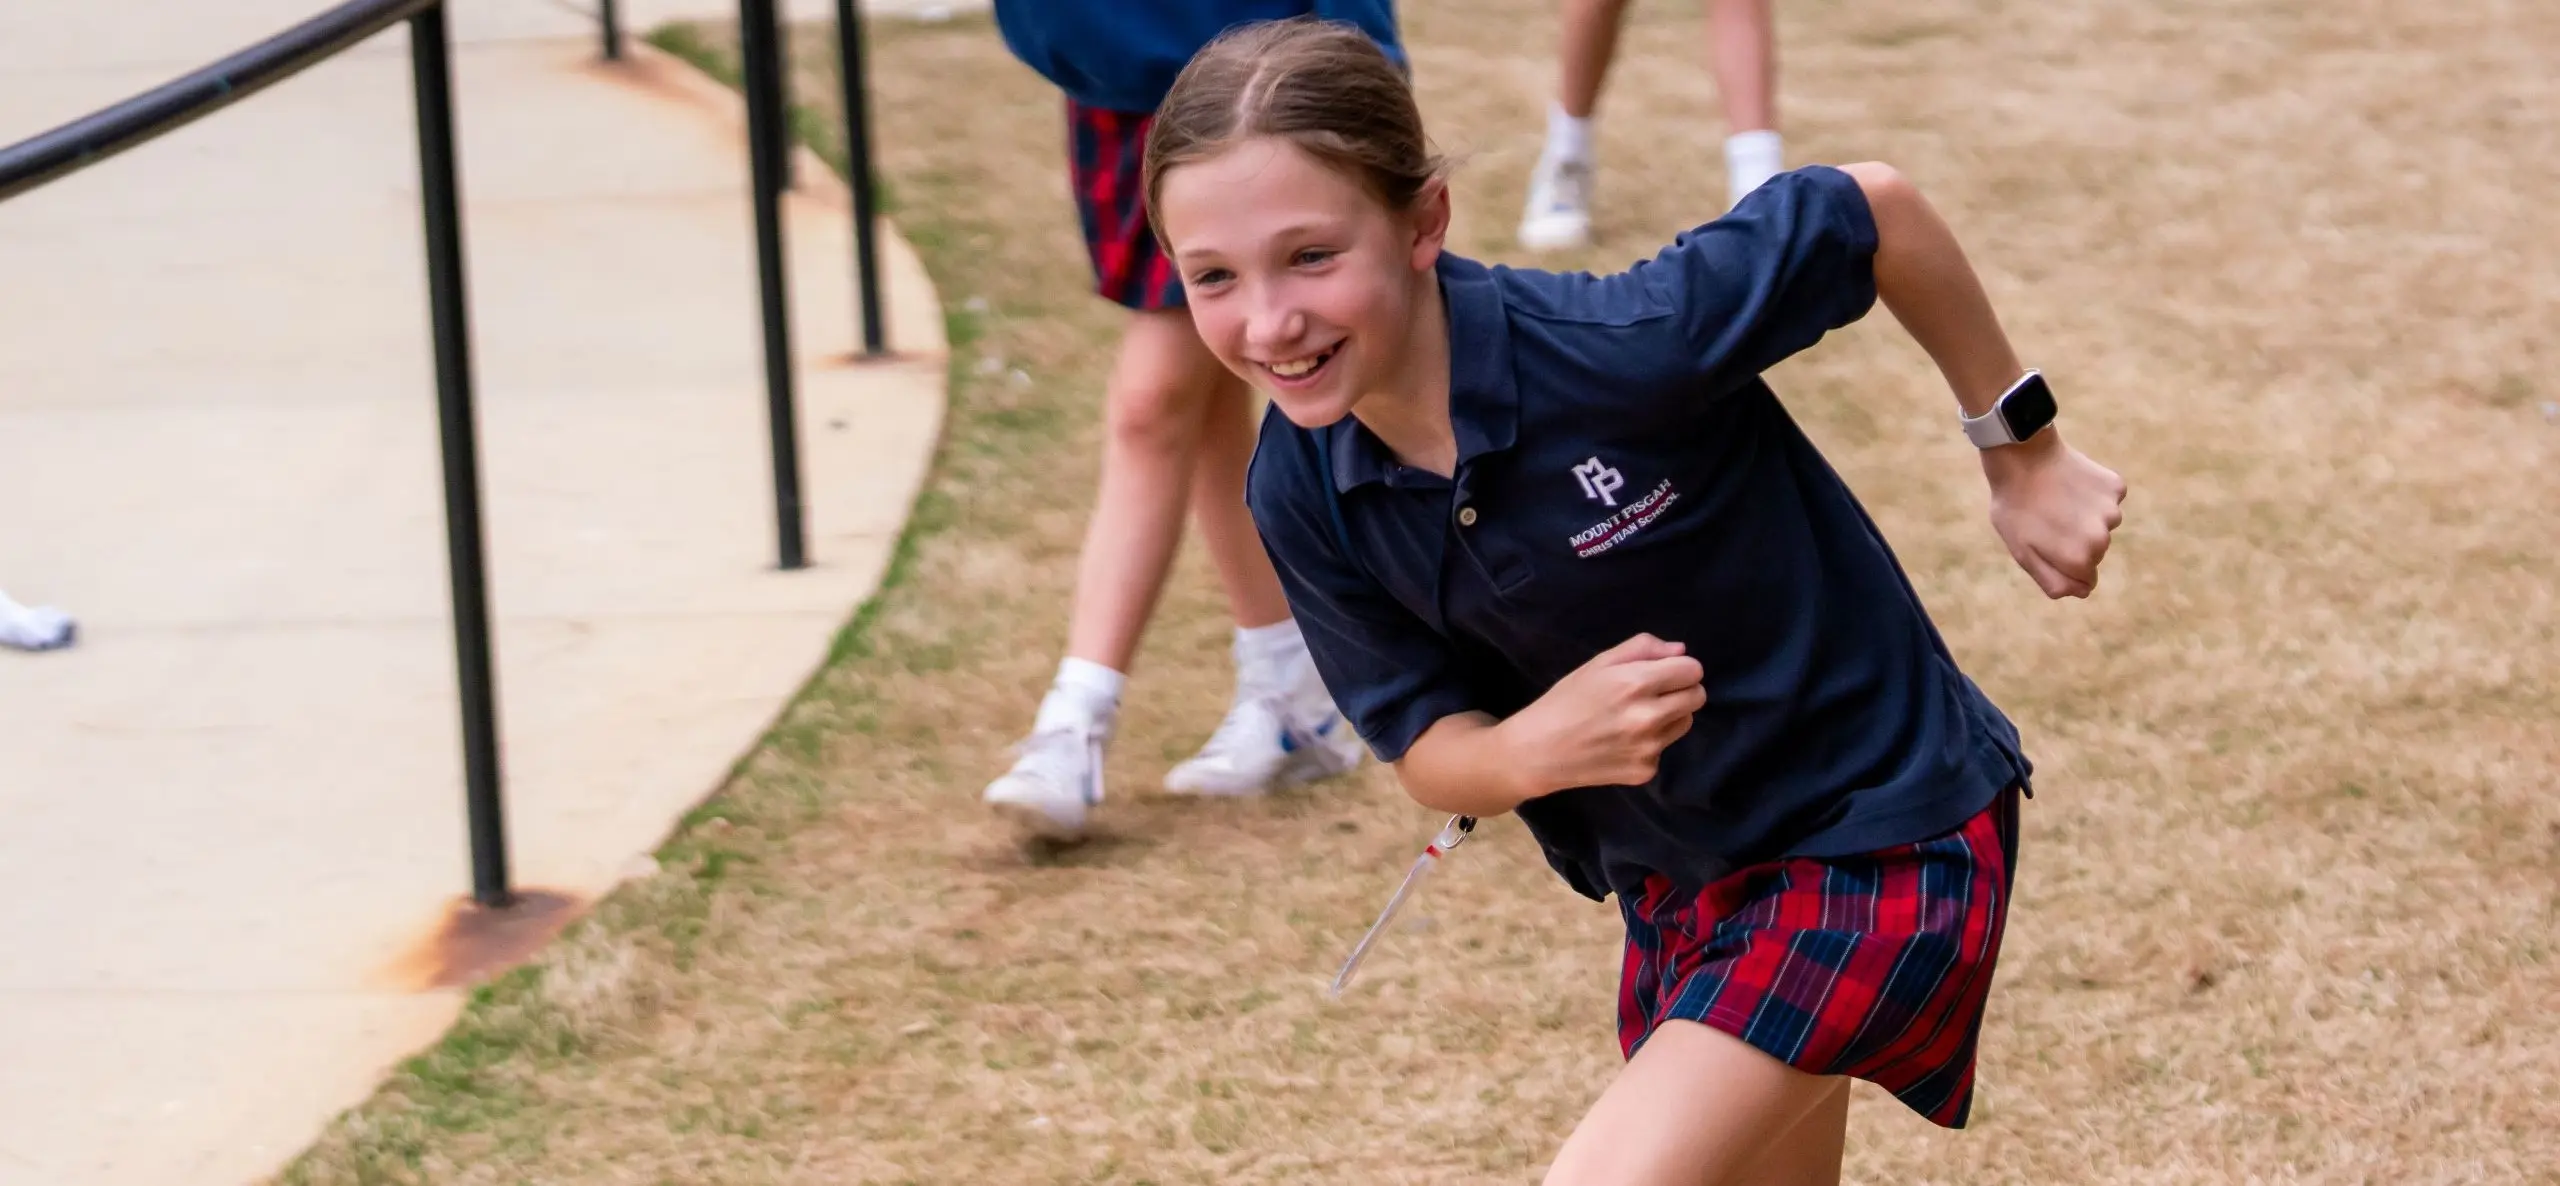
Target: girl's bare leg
{"type": "Point", "coordinates": [1699, 1107]}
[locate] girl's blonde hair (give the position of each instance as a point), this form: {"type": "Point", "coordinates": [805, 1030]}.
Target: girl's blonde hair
{"type": "Point", "coordinates": [1321, 85]}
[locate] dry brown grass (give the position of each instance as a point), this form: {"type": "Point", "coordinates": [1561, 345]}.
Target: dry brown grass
{"type": "Point", "coordinates": [2287, 909]}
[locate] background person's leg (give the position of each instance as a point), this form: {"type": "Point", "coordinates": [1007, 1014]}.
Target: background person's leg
{"type": "Point", "coordinates": [1227, 432]}
{"type": "Point", "coordinates": [1281, 727]}
{"type": "Point", "coordinates": [1589, 42]}
{"type": "Point", "coordinates": [1177, 437]}
{"type": "Point", "coordinates": [1154, 401]}
{"type": "Point", "coordinates": [1558, 213]}
{"type": "Point", "coordinates": [1160, 391]}
{"type": "Point", "coordinates": [1742, 49]}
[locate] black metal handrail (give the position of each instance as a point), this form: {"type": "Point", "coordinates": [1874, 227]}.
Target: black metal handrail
{"type": "Point", "coordinates": [857, 157]}
{"type": "Point", "coordinates": [90, 139]}
{"type": "Point", "coordinates": [769, 149]}
{"type": "Point", "coordinates": [166, 108]}
{"type": "Point", "coordinates": [157, 112]}
{"type": "Point", "coordinates": [609, 15]}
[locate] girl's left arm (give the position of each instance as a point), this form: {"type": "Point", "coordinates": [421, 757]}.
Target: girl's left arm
{"type": "Point", "coordinates": [2054, 508]}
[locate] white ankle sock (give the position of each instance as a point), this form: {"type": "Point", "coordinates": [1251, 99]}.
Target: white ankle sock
{"type": "Point", "coordinates": [1269, 646]}
{"type": "Point", "coordinates": [1568, 136]}
{"type": "Point", "coordinates": [1085, 694]}
{"type": "Point", "coordinates": [1751, 158]}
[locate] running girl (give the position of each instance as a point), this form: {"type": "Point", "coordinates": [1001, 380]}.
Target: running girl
{"type": "Point", "coordinates": [1557, 549]}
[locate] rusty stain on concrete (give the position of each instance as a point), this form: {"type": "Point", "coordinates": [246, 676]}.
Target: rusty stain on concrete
{"type": "Point", "coordinates": [473, 943]}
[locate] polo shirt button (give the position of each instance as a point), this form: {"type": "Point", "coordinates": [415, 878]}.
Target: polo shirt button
{"type": "Point", "coordinates": [1466, 516]}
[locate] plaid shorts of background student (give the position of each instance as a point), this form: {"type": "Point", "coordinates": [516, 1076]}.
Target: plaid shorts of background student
{"type": "Point", "coordinates": [1874, 966]}
{"type": "Point", "coordinates": [1108, 153]}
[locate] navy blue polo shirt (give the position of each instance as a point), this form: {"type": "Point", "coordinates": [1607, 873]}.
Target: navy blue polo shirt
{"type": "Point", "coordinates": [1623, 469]}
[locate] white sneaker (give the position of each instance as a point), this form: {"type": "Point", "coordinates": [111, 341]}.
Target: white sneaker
{"type": "Point", "coordinates": [1274, 736]}
{"type": "Point", "coordinates": [1559, 211]}
{"type": "Point", "coordinates": [1055, 782]}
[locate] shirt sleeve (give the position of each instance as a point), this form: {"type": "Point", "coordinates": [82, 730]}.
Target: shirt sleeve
{"type": "Point", "coordinates": [1388, 671]}
{"type": "Point", "coordinates": [1792, 262]}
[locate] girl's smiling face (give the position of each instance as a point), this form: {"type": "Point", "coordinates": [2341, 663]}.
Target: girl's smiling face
{"type": "Point", "coordinates": [1298, 277]}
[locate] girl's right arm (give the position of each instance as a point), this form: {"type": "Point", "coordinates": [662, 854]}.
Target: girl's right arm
{"type": "Point", "coordinates": [1604, 725]}
{"type": "Point", "coordinates": [2053, 507]}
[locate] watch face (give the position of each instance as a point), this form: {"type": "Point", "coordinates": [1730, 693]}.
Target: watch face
{"type": "Point", "coordinates": [2027, 408]}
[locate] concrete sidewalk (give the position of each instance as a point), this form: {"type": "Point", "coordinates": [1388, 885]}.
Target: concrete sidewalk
{"type": "Point", "coordinates": [233, 814]}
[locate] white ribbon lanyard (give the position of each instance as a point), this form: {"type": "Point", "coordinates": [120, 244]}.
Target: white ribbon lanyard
{"type": "Point", "coordinates": [1451, 836]}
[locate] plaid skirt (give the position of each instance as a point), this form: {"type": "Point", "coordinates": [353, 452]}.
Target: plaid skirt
{"type": "Point", "coordinates": [1108, 158]}
{"type": "Point", "coordinates": [1874, 966]}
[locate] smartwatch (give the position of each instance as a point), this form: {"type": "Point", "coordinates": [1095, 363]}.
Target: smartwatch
{"type": "Point", "coordinates": [2021, 412]}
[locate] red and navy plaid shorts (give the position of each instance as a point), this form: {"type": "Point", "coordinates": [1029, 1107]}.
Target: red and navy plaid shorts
{"type": "Point", "coordinates": [1874, 966]}
{"type": "Point", "coordinates": [1109, 155]}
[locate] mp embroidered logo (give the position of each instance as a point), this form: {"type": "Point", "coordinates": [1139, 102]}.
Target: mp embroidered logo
{"type": "Point", "coordinates": [1599, 481]}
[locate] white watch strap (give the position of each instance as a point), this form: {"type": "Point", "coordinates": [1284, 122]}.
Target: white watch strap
{"type": "Point", "coordinates": [1990, 430]}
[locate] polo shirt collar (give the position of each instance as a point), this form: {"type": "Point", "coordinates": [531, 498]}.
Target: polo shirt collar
{"type": "Point", "coordinates": [1484, 394]}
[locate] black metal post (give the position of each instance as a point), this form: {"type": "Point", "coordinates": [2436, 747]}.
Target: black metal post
{"type": "Point", "coordinates": [857, 159]}
{"type": "Point", "coordinates": [428, 64]}
{"type": "Point", "coordinates": [759, 47]}
{"type": "Point", "coordinates": [612, 15]}
{"type": "Point", "coordinates": [779, 81]}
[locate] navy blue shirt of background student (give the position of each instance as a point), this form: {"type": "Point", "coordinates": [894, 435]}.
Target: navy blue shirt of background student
{"type": "Point", "coordinates": [1122, 55]}
{"type": "Point", "coordinates": [1622, 469]}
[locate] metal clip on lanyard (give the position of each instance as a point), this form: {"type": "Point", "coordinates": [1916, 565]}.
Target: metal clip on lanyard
{"type": "Point", "coordinates": [1451, 836]}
